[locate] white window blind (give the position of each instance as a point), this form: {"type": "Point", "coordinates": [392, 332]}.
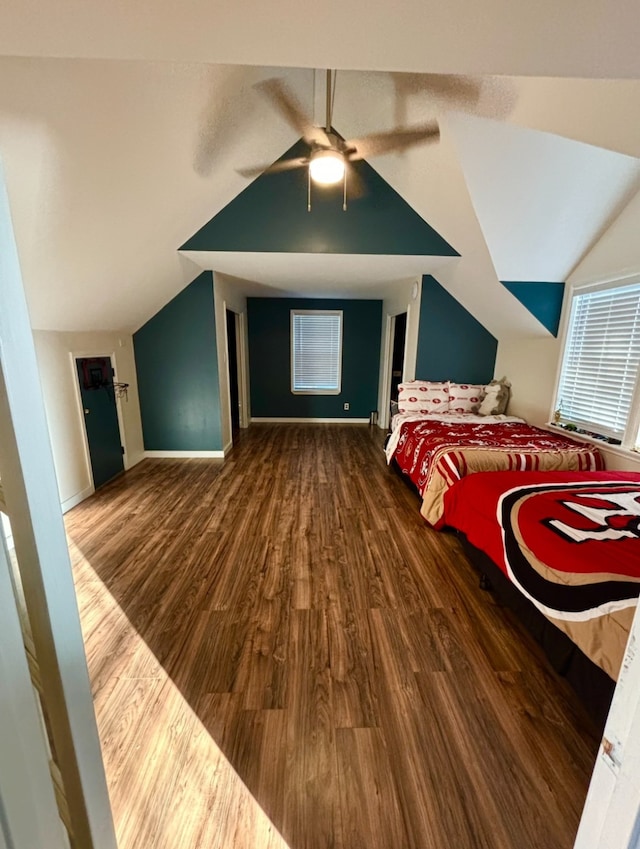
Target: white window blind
{"type": "Point", "coordinates": [316, 351]}
{"type": "Point", "coordinates": [601, 359]}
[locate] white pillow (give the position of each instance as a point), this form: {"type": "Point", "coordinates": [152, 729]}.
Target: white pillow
{"type": "Point", "coordinates": [465, 397]}
{"type": "Point", "coordinates": [423, 396]}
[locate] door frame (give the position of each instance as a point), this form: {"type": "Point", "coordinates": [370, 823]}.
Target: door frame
{"type": "Point", "coordinates": [387, 359]}
{"type": "Point", "coordinates": [84, 354]}
{"type": "Point", "coordinates": [31, 815]}
{"type": "Point", "coordinates": [242, 360]}
{"type": "Point", "coordinates": [243, 368]}
{"type": "Point", "coordinates": [32, 500]}
{"type": "Point", "coordinates": [387, 363]}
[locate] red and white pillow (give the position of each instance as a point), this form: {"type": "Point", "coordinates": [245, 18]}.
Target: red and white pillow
{"type": "Point", "coordinates": [465, 397]}
{"type": "Point", "coordinates": [423, 396]}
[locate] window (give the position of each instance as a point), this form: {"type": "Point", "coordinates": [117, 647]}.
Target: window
{"type": "Point", "coordinates": [598, 387]}
{"type": "Point", "coordinates": [316, 352]}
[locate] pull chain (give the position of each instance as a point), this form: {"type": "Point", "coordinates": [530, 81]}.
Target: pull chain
{"type": "Point", "coordinates": [308, 189]}
{"type": "Point", "coordinates": [344, 193]}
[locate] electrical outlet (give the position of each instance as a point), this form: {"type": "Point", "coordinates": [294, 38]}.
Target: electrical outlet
{"type": "Point", "coordinates": [346, 405]}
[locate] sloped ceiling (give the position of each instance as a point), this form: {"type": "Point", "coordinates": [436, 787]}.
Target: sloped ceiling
{"type": "Point", "coordinates": [110, 166]}
{"type": "Point", "coordinates": [542, 200]}
{"type": "Point", "coordinates": [124, 146]}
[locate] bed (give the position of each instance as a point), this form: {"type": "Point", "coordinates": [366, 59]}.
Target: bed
{"type": "Point", "coordinates": [437, 449]}
{"type": "Point", "coordinates": [568, 544]}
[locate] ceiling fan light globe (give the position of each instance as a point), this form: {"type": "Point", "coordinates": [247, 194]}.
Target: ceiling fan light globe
{"type": "Point", "coordinates": [327, 167]}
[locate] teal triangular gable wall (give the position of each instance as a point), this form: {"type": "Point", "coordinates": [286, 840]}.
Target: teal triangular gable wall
{"type": "Point", "coordinates": [543, 300]}
{"type": "Point", "coordinates": [452, 344]}
{"type": "Point", "coordinates": [271, 216]}
{"type": "Point", "coordinates": [177, 369]}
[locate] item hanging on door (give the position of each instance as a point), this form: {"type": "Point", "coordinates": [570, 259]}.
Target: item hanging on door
{"type": "Point", "coordinates": [96, 373]}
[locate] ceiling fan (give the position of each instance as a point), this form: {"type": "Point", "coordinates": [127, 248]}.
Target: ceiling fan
{"type": "Point", "coordinates": [330, 154]}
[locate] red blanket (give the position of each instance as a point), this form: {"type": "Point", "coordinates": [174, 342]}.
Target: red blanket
{"type": "Point", "coordinates": [436, 454]}
{"type": "Point", "coordinates": [569, 541]}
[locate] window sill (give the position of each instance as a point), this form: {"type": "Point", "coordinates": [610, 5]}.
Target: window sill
{"type": "Point", "coordinates": [607, 447]}
{"type": "Point", "coordinates": [316, 391]}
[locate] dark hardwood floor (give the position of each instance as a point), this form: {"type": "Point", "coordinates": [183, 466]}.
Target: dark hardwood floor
{"type": "Point", "coordinates": [284, 655]}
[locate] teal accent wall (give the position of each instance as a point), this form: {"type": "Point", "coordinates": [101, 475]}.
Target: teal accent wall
{"type": "Point", "coordinates": [543, 300]}
{"type": "Point", "coordinates": [270, 359]}
{"type": "Point", "coordinates": [452, 344]}
{"type": "Point", "coordinates": [177, 367]}
{"type": "Point", "coordinates": [270, 215]}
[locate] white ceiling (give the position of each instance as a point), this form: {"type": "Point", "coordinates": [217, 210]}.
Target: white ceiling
{"type": "Point", "coordinates": [317, 275]}
{"type": "Point", "coordinates": [126, 144]}
{"type": "Point", "coordinates": [580, 38]}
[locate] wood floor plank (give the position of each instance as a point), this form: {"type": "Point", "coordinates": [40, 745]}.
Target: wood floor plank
{"type": "Point", "coordinates": [435, 798]}
{"type": "Point", "coordinates": [300, 548]}
{"type": "Point", "coordinates": [368, 796]}
{"type": "Point", "coordinates": [283, 656]}
{"type": "Point", "coordinates": [353, 673]}
{"type": "Point", "coordinates": [263, 673]}
{"type": "Point", "coordinates": [376, 587]}
{"type": "Point", "coordinates": [312, 817]}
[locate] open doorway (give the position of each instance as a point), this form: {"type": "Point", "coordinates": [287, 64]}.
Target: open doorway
{"type": "Point", "coordinates": [397, 356]}
{"type": "Point", "coordinates": [234, 375]}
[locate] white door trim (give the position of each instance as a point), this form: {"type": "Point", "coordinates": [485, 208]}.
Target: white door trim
{"type": "Point", "coordinates": [385, 394]}
{"type": "Point", "coordinates": [243, 368]}
{"type": "Point", "coordinates": [242, 364]}
{"type": "Point", "coordinates": [30, 814]}
{"type": "Point", "coordinates": [33, 502]}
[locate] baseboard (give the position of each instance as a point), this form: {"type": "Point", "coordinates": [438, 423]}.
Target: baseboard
{"type": "Point", "coordinates": [285, 420]}
{"type": "Point", "coordinates": [227, 447]}
{"type": "Point", "coordinates": [184, 455]}
{"type": "Point", "coordinates": [68, 503]}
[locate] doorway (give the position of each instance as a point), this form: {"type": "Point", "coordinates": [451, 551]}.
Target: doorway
{"type": "Point", "coordinates": [98, 398]}
{"type": "Point", "coordinates": [397, 356]}
{"type": "Point", "coordinates": [234, 379]}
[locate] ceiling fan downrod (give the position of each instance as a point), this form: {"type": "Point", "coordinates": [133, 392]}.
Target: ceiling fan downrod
{"type": "Point", "coordinates": [334, 150]}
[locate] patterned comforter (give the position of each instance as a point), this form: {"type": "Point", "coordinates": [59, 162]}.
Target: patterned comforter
{"type": "Point", "coordinates": [437, 453]}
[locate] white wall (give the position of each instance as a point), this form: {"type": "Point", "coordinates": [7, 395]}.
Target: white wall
{"type": "Point", "coordinates": [531, 364]}
{"type": "Point", "coordinates": [617, 253]}
{"type": "Point", "coordinates": [64, 416]}
{"type": "Point", "coordinates": [401, 301]}
{"type": "Point", "coordinates": [228, 295]}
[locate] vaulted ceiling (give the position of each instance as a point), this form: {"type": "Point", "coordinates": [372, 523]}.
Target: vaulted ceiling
{"type": "Point", "coordinates": [123, 126]}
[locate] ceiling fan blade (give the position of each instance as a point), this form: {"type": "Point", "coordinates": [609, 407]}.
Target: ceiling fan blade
{"type": "Point", "coordinates": [275, 168]}
{"type": "Point", "coordinates": [394, 140]}
{"type": "Point", "coordinates": [293, 113]}
{"type": "Point", "coordinates": [453, 88]}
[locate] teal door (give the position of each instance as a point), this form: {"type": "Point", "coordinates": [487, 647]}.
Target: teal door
{"type": "Point", "coordinates": [95, 375]}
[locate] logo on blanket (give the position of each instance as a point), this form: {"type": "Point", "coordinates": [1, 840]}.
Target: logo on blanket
{"type": "Point", "coordinates": [558, 540]}
{"type": "Point", "coordinates": [619, 520]}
